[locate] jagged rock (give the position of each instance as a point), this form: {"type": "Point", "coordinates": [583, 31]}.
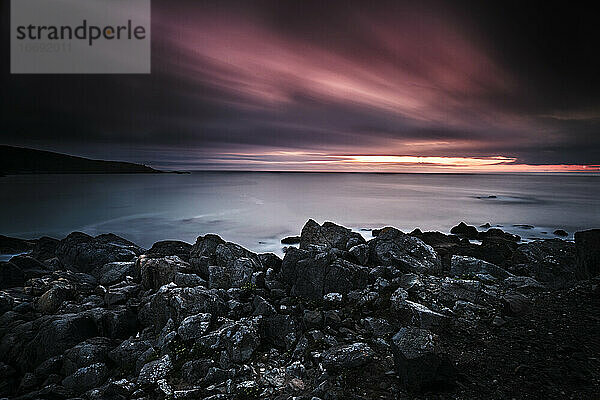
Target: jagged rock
{"type": "Point", "coordinates": [312, 274]}
{"type": "Point", "coordinates": [404, 252]}
{"type": "Point", "coordinates": [468, 231]}
{"type": "Point", "coordinates": [240, 339]}
{"type": "Point", "coordinates": [114, 272]}
{"type": "Point", "coordinates": [550, 260]}
{"type": "Point", "coordinates": [418, 361]}
{"type": "Point", "coordinates": [212, 250]}
{"type": "Point", "coordinates": [52, 299]}
{"type": "Point", "coordinates": [348, 356]}
{"type": "Point", "coordinates": [194, 326]}
{"type": "Point", "coordinates": [85, 252]}
{"type": "Point", "coordinates": [171, 248]}
{"type": "Point", "coordinates": [86, 378]}
{"type": "Point", "coordinates": [262, 307]}
{"type": "Point", "coordinates": [587, 246]}
{"type": "Point", "coordinates": [10, 245]}
{"type": "Point", "coordinates": [328, 235]}
{"type": "Point", "coordinates": [120, 293]}
{"type": "Point", "coordinates": [462, 265]}
{"type": "Point", "coordinates": [291, 240]}
{"type": "Point", "coordinates": [516, 304]}
{"type": "Point", "coordinates": [156, 272]}
{"type": "Point", "coordinates": [194, 371]}
{"type": "Point", "coordinates": [561, 232]}
{"type": "Point", "coordinates": [523, 283]}
{"type": "Point", "coordinates": [171, 302]}
{"type": "Point", "coordinates": [31, 267]}
{"type": "Point", "coordinates": [236, 274]}
{"type": "Point", "coordinates": [155, 370]}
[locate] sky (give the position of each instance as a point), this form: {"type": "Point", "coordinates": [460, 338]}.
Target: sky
{"type": "Point", "coordinates": [386, 86]}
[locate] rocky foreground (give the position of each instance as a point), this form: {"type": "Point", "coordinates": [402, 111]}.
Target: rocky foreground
{"type": "Point", "coordinates": [419, 315]}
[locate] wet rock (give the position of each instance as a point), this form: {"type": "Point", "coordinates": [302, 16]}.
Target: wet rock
{"type": "Point", "coordinates": [279, 330]}
{"type": "Point", "coordinates": [328, 235]}
{"type": "Point", "coordinates": [419, 363]}
{"type": "Point", "coordinates": [462, 265]}
{"type": "Point", "coordinates": [561, 232]}
{"type": "Point", "coordinates": [194, 371]}
{"type": "Point", "coordinates": [155, 370]}
{"type": "Point", "coordinates": [236, 274]}
{"type": "Point", "coordinates": [45, 248]}
{"type": "Point", "coordinates": [86, 378]}
{"type": "Point", "coordinates": [403, 252]}
{"type": "Point", "coordinates": [516, 304]}
{"type": "Point", "coordinates": [212, 250]}
{"type": "Point", "coordinates": [347, 357]}
{"type": "Point", "coordinates": [360, 253]}
{"type": "Point", "coordinates": [10, 245]}
{"type": "Point", "coordinates": [120, 293]}
{"type": "Point", "coordinates": [31, 267]}
{"type": "Point", "coordinates": [52, 299]}
{"type": "Point", "coordinates": [91, 351]}
{"type": "Point", "coordinates": [468, 231]}
{"type": "Point", "coordinates": [130, 353]}
{"type": "Point", "coordinates": [85, 252]}
{"type": "Point", "coordinates": [240, 339]}
{"type": "Point", "coordinates": [170, 248]}
{"type": "Point", "coordinates": [587, 245]}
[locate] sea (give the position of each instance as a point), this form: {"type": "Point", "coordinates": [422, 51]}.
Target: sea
{"type": "Point", "coordinates": [258, 209]}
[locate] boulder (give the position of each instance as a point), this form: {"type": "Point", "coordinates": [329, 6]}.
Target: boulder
{"type": "Point", "coordinates": [587, 246]}
{"type": "Point", "coordinates": [10, 245]}
{"type": "Point", "coordinates": [463, 265]}
{"type": "Point", "coordinates": [114, 272]}
{"type": "Point", "coordinates": [156, 272]}
{"type": "Point", "coordinates": [155, 370]}
{"type": "Point", "coordinates": [129, 353]}
{"type": "Point", "coordinates": [45, 248]}
{"type": "Point", "coordinates": [403, 252]}
{"type": "Point", "coordinates": [291, 240]}
{"type": "Point", "coordinates": [328, 235]}
{"type": "Point", "coordinates": [240, 339]}
{"type": "Point", "coordinates": [279, 330]}
{"type": "Point", "coordinates": [346, 357]}
{"type": "Point", "coordinates": [233, 275]}
{"type": "Point", "coordinates": [86, 353]}
{"type": "Point", "coordinates": [419, 363]}
{"type": "Point", "coordinates": [464, 230]}
{"type": "Point", "coordinates": [85, 252]}
{"type": "Point", "coordinates": [86, 378]}
{"type": "Point", "coordinates": [31, 267]}
{"type": "Point", "coordinates": [311, 274]}
{"type": "Point", "coordinates": [212, 250]}
{"type": "Point", "coordinates": [194, 326]}
{"type": "Point", "coordinates": [170, 248]}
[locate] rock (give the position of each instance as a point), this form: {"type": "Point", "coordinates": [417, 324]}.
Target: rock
{"type": "Point", "coordinates": [551, 261]}
{"type": "Point", "coordinates": [360, 253]}
{"type": "Point", "coordinates": [419, 363]}
{"type": "Point", "coordinates": [234, 275]}
{"type": "Point", "coordinates": [31, 267]}
{"type": "Point", "coordinates": [212, 250]}
{"type": "Point", "coordinates": [291, 240]}
{"type": "Point", "coordinates": [129, 353]}
{"type": "Point", "coordinates": [84, 354]}
{"type": "Point", "coordinates": [241, 339]}
{"type": "Point", "coordinates": [419, 315]}
{"type": "Point", "coordinates": [120, 293]}
{"type": "Point", "coordinates": [86, 378]}
{"type": "Point", "coordinates": [171, 302]}
{"type": "Point", "coordinates": [9, 245]}
{"type": "Point", "coordinates": [156, 272]}
{"type": "Point", "coordinates": [312, 274]}
{"type": "Point", "coordinates": [171, 248]}
{"type": "Point", "coordinates": [347, 357]}
{"type": "Point", "coordinates": [403, 252]}
{"type": "Point", "coordinates": [587, 245]}
{"type": "Point", "coordinates": [52, 299]}
{"type": "Point", "coordinates": [155, 370]}
{"type": "Point", "coordinates": [462, 265]}
{"type": "Point", "coordinates": [516, 304]}
{"type": "Point", "coordinates": [279, 330]}
{"type": "Point", "coordinates": [523, 283]}
{"type": "Point", "coordinates": [468, 231]}
{"type": "Point", "coordinates": [561, 232]}
{"type": "Point", "coordinates": [45, 248]}
{"type": "Point", "coordinates": [195, 370]}
{"type": "Point", "coordinates": [328, 235]}
{"type": "Point", "coordinates": [114, 272]}
{"type": "Point", "coordinates": [194, 326]}
{"type": "Point", "coordinates": [85, 252]}
{"type": "Point", "coordinates": [10, 275]}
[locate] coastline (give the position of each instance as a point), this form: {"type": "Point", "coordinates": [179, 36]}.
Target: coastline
{"type": "Point", "coordinates": [396, 316]}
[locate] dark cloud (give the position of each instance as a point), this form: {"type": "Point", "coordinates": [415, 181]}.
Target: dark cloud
{"type": "Point", "coordinates": [249, 82]}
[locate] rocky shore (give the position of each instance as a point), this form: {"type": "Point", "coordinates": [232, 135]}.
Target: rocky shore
{"type": "Point", "coordinates": [418, 315]}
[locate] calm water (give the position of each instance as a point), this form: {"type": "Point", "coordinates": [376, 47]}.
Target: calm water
{"type": "Point", "coordinates": [258, 209]}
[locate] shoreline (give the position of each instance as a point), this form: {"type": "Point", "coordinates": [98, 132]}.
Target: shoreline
{"type": "Point", "coordinates": [398, 316]}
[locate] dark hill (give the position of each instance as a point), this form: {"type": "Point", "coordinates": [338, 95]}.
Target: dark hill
{"type": "Point", "coordinates": [17, 160]}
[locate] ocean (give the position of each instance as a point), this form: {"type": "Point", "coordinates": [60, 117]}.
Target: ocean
{"type": "Point", "coordinates": [257, 209]}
